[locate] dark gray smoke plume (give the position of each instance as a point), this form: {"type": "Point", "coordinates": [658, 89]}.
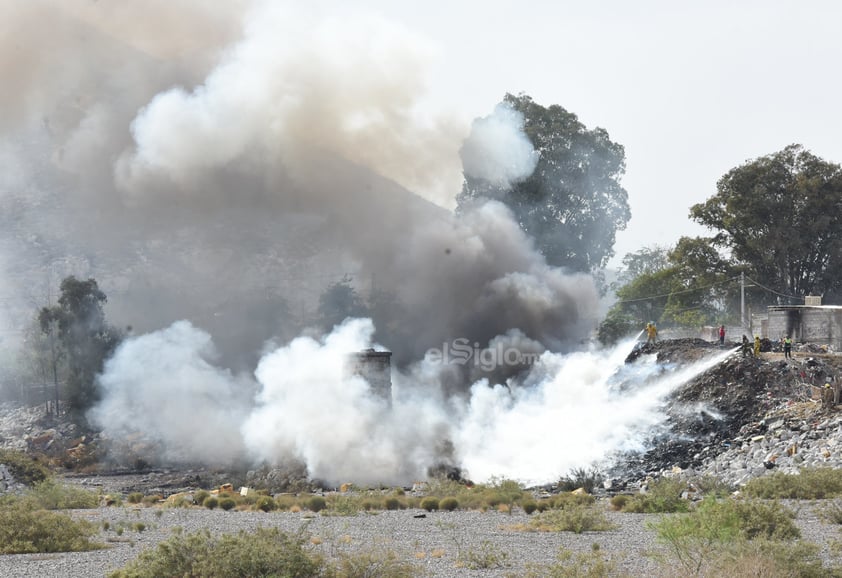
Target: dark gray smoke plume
{"type": "Point", "coordinates": [223, 164]}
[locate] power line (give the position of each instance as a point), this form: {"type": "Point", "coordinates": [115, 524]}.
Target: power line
{"type": "Point", "coordinates": [775, 292]}
{"type": "Point", "coordinates": [709, 287]}
{"type": "Point", "coordinates": [678, 292]}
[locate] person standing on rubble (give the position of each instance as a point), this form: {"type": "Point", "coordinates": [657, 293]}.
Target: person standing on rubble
{"type": "Point", "coordinates": [651, 332]}
{"type": "Point", "coordinates": [745, 347]}
{"type": "Point", "coordinates": [721, 335]}
{"type": "Point", "coordinates": [787, 347]}
{"type": "Point", "coordinates": [757, 346]}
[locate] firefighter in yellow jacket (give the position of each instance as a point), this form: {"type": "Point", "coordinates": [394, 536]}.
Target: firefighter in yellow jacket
{"type": "Point", "coordinates": [651, 332]}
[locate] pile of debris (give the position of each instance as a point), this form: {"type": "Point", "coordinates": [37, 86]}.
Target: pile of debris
{"type": "Point", "coordinates": [743, 418]}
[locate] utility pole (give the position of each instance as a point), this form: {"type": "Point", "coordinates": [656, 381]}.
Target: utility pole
{"type": "Point", "coordinates": [743, 301]}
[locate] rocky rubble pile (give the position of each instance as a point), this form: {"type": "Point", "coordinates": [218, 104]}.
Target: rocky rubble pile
{"type": "Point", "coordinates": [744, 418]}
{"type": "Point", "coordinates": [793, 436]}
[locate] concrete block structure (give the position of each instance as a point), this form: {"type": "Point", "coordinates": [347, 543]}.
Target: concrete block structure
{"type": "Point", "coordinates": [375, 367]}
{"type": "Point", "coordinates": [819, 324]}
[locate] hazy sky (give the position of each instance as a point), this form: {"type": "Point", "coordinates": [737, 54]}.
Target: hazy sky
{"type": "Point", "coordinates": [691, 89]}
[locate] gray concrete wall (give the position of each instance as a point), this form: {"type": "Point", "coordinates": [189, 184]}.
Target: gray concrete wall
{"type": "Point", "coordinates": [820, 325]}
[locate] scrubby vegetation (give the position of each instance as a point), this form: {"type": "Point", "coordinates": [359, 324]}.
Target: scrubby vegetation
{"type": "Point", "coordinates": [662, 496]}
{"type": "Point", "coordinates": [25, 530]}
{"type": "Point", "coordinates": [49, 495]}
{"type": "Point", "coordinates": [23, 468]}
{"type": "Point", "coordinates": [568, 564]}
{"type": "Point", "coordinates": [720, 530]}
{"type": "Point", "coordinates": [263, 552]}
{"type": "Point", "coordinates": [573, 517]}
{"type": "Point", "coordinates": [809, 484]}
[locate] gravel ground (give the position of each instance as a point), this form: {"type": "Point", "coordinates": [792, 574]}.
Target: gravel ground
{"type": "Point", "coordinates": [432, 543]}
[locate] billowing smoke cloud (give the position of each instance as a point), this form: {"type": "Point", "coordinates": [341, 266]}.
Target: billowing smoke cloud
{"type": "Point", "coordinates": [569, 411]}
{"type": "Point", "coordinates": [227, 165]}
{"type": "Point", "coordinates": [162, 390]}
{"type": "Point", "coordinates": [497, 149]}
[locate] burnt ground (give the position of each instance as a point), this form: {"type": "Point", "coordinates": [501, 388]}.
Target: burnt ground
{"type": "Point", "coordinates": [726, 403]}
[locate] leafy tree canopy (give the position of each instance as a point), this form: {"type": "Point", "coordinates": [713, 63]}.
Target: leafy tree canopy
{"type": "Point", "coordinates": [87, 341]}
{"type": "Point", "coordinates": [338, 302]}
{"type": "Point", "coordinates": [572, 204]}
{"type": "Point", "coordinates": [687, 285]}
{"type": "Point", "coordinates": [781, 218]}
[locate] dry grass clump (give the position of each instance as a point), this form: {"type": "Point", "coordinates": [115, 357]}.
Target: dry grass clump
{"type": "Point", "coordinates": [576, 518]}
{"type": "Point", "coordinates": [593, 564]}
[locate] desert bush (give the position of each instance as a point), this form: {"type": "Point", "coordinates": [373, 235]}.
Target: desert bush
{"type": "Point", "coordinates": [200, 497]}
{"type": "Point", "coordinates": [449, 503]}
{"type": "Point", "coordinates": [484, 557]}
{"type": "Point", "coordinates": [529, 506]}
{"type": "Point", "coordinates": [316, 503]}
{"type": "Point", "coordinates": [23, 468]}
{"type": "Point", "coordinates": [508, 492]}
{"type": "Point", "coordinates": [24, 529]}
{"type": "Point", "coordinates": [619, 501]}
{"type": "Point", "coordinates": [571, 499]}
{"type": "Point", "coordinates": [49, 495]}
{"type": "Point", "coordinates": [211, 502]}
{"type": "Point", "coordinates": [374, 564]}
{"type": "Point", "coordinates": [712, 486]}
{"type": "Point", "coordinates": [714, 524]}
{"type": "Point", "coordinates": [152, 499]}
{"type": "Point", "coordinates": [227, 503]}
{"type": "Point", "coordinates": [808, 484]}
{"type": "Point", "coordinates": [179, 501]}
{"type": "Point", "coordinates": [343, 505]}
{"type": "Point", "coordinates": [265, 504]}
{"type": "Point", "coordinates": [574, 518]}
{"type": "Point", "coordinates": [134, 498]}
{"type": "Point", "coordinates": [593, 564]}
{"type": "Point", "coordinates": [768, 558]}
{"type": "Point", "coordinates": [286, 502]}
{"type": "Point", "coordinates": [139, 527]}
{"type": "Point", "coordinates": [663, 496]}
{"type": "Point", "coordinates": [264, 552]}
{"type": "Point", "coordinates": [830, 511]}
{"type": "Point", "coordinates": [430, 503]}
{"type": "Point", "coordinates": [392, 503]}
{"type": "Point", "coordinates": [580, 478]}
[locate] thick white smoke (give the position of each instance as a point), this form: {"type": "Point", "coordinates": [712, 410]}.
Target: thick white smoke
{"type": "Point", "coordinates": [161, 389]}
{"type": "Point", "coordinates": [497, 149]}
{"type": "Point", "coordinates": [571, 411]}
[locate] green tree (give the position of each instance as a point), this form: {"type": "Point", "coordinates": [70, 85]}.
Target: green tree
{"type": "Point", "coordinates": [689, 285]}
{"type": "Point", "coordinates": [78, 322]}
{"type": "Point", "coordinates": [780, 216]}
{"type": "Point", "coordinates": [572, 204]}
{"type": "Point", "coordinates": [338, 302]}
{"type": "Point", "coordinates": [642, 262]}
